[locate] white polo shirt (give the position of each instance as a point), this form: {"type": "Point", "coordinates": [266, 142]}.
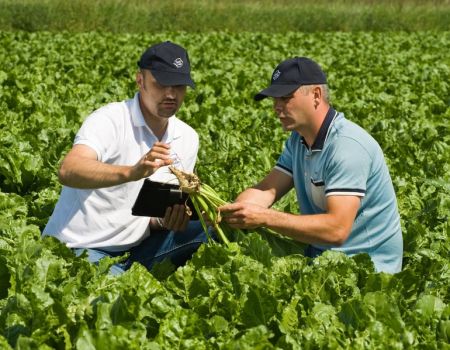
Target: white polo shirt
{"type": "Point", "coordinates": [101, 218]}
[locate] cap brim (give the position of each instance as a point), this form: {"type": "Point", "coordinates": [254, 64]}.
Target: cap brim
{"type": "Point", "coordinates": [167, 78]}
{"type": "Point", "coordinates": [276, 91]}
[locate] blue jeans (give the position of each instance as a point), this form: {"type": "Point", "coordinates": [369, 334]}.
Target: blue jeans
{"type": "Point", "coordinates": [176, 246]}
{"type": "Point", "coordinates": [312, 252]}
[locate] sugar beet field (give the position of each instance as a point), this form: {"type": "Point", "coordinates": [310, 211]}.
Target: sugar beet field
{"type": "Point", "coordinates": [261, 292]}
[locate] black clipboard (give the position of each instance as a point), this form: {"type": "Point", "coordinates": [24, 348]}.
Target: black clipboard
{"type": "Point", "coordinates": [154, 198]}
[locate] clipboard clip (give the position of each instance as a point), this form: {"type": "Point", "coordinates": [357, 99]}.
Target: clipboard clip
{"type": "Point", "coordinates": [176, 192]}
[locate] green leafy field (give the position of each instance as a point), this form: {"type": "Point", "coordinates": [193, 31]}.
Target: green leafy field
{"type": "Point", "coordinates": [200, 16]}
{"type": "Point", "coordinates": [260, 293]}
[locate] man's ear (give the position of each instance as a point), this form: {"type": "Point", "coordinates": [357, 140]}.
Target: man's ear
{"type": "Point", "coordinates": [317, 92]}
{"type": "Point", "coordinates": [140, 79]}
{"type": "Point", "coordinates": [317, 96]}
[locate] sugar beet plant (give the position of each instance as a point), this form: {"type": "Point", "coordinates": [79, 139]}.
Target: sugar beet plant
{"type": "Point", "coordinates": [258, 291]}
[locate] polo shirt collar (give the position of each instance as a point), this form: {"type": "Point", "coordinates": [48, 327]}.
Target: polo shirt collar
{"type": "Point", "coordinates": [323, 131]}
{"type": "Point", "coordinates": [138, 120]}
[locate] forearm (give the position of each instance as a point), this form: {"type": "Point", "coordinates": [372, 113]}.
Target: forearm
{"type": "Point", "coordinates": [256, 196]}
{"type": "Point", "coordinates": [317, 228]}
{"type": "Point", "coordinates": [332, 227]}
{"type": "Point", "coordinates": [81, 169]}
{"type": "Point", "coordinates": [89, 173]}
{"type": "Point", "coordinates": [275, 185]}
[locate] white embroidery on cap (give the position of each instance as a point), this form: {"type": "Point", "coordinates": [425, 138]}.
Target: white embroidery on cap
{"type": "Point", "coordinates": [178, 62]}
{"type": "Point", "coordinates": [276, 75]}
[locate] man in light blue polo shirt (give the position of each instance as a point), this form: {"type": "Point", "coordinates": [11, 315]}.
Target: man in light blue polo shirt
{"type": "Point", "coordinates": [345, 193]}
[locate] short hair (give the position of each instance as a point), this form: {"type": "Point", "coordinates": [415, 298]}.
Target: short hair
{"type": "Point", "coordinates": [305, 89]}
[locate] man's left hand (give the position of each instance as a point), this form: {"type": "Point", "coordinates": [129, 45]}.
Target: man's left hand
{"type": "Point", "coordinates": [176, 218]}
{"type": "Point", "coordinates": [243, 215]}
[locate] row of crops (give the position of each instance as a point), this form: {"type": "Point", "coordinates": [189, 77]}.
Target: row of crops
{"type": "Point", "coordinates": [259, 293]}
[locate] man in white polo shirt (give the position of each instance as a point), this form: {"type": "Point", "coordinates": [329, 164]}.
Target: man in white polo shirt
{"type": "Point", "coordinates": [116, 148]}
{"type": "Point", "coordinates": [345, 193]}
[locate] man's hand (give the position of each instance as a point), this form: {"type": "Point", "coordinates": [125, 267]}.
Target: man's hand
{"type": "Point", "coordinates": [243, 215]}
{"type": "Point", "coordinates": [176, 218]}
{"type": "Point", "coordinates": [156, 157]}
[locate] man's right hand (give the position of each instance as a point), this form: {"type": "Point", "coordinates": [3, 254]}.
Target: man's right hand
{"type": "Point", "coordinates": [156, 157]}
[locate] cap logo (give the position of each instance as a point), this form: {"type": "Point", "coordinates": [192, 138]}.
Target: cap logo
{"type": "Point", "coordinates": [178, 62]}
{"type": "Point", "coordinates": [276, 75]}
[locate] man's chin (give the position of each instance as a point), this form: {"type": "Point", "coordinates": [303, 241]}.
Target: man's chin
{"type": "Point", "coordinates": [166, 113]}
{"type": "Point", "coordinates": [287, 127]}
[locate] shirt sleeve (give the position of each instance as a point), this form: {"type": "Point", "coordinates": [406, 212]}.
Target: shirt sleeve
{"type": "Point", "coordinates": [284, 162]}
{"type": "Point", "coordinates": [348, 169]}
{"type": "Point", "coordinates": [100, 133]}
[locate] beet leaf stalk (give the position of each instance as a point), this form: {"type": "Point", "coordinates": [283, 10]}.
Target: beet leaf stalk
{"type": "Point", "coordinates": [205, 200]}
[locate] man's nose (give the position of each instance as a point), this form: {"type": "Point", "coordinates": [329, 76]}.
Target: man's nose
{"type": "Point", "coordinates": [170, 91]}
{"type": "Point", "coordinates": [277, 105]}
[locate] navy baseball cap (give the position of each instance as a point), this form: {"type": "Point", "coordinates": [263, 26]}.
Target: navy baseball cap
{"type": "Point", "coordinates": [290, 74]}
{"type": "Point", "coordinates": [169, 64]}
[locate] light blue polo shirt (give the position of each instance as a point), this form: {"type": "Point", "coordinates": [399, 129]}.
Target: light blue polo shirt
{"type": "Point", "coordinates": [345, 160]}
